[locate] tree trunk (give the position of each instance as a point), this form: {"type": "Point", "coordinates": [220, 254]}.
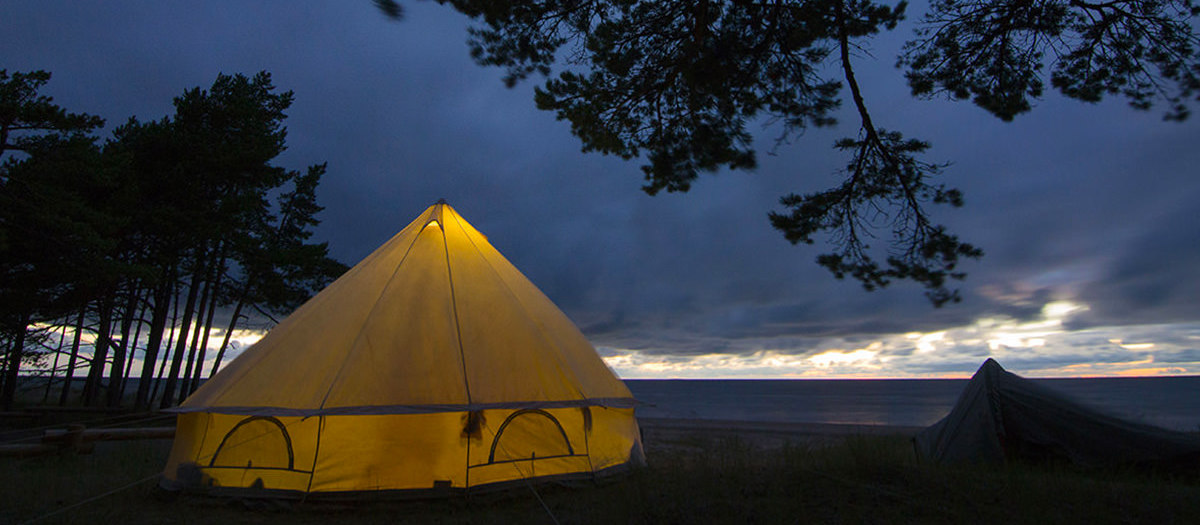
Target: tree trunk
{"type": "Point", "coordinates": [99, 350]}
{"type": "Point", "coordinates": [168, 398]}
{"type": "Point", "coordinates": [208, 304]}
{"type": "Point", "coordinates": [215, 283]}
{"type": "Point", "coordinates": [162, 368]}
{"type": "Point", "coordinates": [186, 379]}
{"type": "Point", "coordinates": [158, 326]}
{"type": "Point", "coordinates": [117, 374]}
{"type": "Point", "coordinates": [14, 363]}
{"type": "Point", "coordinates": [137, 336]}
{"type": "Point", "coordinates": [70, 375]}
{"type": "Point", "coordinates": [237, 312]}
{"type": "Point", "coordinates": [62, 339]}
{"type": "Point", "coordinates": [3, 368]}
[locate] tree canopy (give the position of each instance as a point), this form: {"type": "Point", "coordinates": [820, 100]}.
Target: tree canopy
{"type": "Point", "coordinates": [28, 117]}
{"type": "Point", "coordinates": [157, 227]}
{"type": "Point", "coordinates": [675, 84]}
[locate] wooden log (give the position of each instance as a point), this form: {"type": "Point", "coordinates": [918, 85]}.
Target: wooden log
{"type": "Point", "coordinates": [76, 439]}
{"type": "Point", "coordinates": [73, 439]}
{"type": "Point", "coordinates": [109, 434]}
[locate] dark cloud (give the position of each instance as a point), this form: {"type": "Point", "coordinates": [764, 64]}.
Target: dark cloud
{"type": "Point", "coordinates": [1189, 355]}
{"type": "Point", "coordinates": [1152, 281]}
{"type": "Point", "coordinates": [1088, 203]}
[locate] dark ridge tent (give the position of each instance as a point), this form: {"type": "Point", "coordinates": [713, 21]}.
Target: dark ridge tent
{"type": "Point", "coordinates": [432, 366]}
{"type": "Point", "coordinates": [1001, 416]}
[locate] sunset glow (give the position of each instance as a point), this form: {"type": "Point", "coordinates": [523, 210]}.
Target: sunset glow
{"type": "Point", "coordinates": [1092, 352]}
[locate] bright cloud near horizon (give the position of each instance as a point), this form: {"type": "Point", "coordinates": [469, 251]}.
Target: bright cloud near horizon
{"type": "Point", "coordinates": [1041, 347]}
{"type": "Point", "coordinates": [1086, 212]}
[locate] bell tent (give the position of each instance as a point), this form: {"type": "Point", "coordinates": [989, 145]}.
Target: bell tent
{"type": "Point", "coordinates": [433, 365]}
{"type": "Point", "coordinates": [1002, 416]}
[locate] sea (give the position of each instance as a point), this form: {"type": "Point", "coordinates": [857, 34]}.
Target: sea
{"type": "Point", "coordinates": [1169, 402]}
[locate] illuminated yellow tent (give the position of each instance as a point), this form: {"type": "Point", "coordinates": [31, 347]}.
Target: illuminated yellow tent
{"type": "Point", "coordinates": [432, 365]}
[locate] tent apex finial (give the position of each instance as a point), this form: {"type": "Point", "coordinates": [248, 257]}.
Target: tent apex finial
{"type": "Point", "coordinates": [441, 201]}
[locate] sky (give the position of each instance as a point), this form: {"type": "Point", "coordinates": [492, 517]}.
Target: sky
{"type": "Point", "coordinates": [1086, 212]}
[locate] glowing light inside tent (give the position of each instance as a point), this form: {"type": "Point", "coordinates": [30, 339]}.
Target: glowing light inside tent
{"type": "Point", "coordinates": [434, 223]}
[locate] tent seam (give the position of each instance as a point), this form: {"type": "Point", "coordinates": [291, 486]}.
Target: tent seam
{"type": "Point", "coordinates": [525, 309]}
{"type": "Point", "coordinates": [370, 313]}
{"type": "Point", "coordinates": [462, 353]}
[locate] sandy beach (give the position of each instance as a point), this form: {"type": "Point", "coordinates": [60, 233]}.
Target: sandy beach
{"type": "Point", "coordinates": [670, 433]}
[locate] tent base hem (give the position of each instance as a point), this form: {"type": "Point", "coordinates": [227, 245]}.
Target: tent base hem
{"type": "Point", "coordinates": [574, 480]}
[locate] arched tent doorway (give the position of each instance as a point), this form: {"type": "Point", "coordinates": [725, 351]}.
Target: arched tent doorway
{"type": "Point", "coordinates": [529, 434]}
{"type": "Point", "coordinates": [255, 442]}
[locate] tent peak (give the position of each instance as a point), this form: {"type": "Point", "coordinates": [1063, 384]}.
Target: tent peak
{"type": "Point", "coordinates": [435, 213]}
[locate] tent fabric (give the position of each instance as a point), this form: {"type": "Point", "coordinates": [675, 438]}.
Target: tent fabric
{"type": "Point", "coordinates": [431, 364]}
{"type": "Point", "coordinates": [1001, 416]}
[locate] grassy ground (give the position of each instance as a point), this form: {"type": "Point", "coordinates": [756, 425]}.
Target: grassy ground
{"type": "Point", "coordinates": [696, 479]}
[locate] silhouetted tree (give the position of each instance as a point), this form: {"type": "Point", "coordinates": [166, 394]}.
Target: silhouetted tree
{"type": "Point", "coordinates": [206, 173]}
{"type": "Point", "coordinates": [53, 259]}
{"type": "Point", "coordinates": [93, 238]}
{"type": "Point", "coordinates": [675, 82]}
{"type": "Point", "coordinates": [234, 129]}
{"type": "Point", "coordinates": [279, 269]}
{"type": "Point", "coordinates": [28, 117]}
{"type": "Point", "coordinates": [996, 52]}
{"type": "Point", "coordinates": [56, 232]}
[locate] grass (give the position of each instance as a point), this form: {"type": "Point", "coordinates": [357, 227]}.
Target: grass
{"type": "Point", "coordinates": [872, 479]}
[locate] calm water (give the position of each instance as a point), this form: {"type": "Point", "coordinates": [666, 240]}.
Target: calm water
{"type": "Point", "coordinates": [1171, 402]}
